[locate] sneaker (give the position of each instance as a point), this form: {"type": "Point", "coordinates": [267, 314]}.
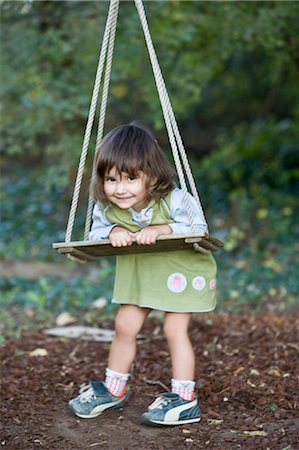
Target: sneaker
{"type": "Point", "coordinates": [171, 409]}
{"type": "Point", "coordinates": [93, 400]}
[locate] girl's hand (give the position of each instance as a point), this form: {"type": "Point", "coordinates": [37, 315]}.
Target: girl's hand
{"type": "Point", "coordinates": [148, 235]}
{"type": "Point", "coordinates": [120, 237]}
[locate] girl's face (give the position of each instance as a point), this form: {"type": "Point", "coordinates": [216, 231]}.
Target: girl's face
{"type": "Point", "coordinates": [126, 191]}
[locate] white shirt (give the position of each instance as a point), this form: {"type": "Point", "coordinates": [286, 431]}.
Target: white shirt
{"type": "Point", "coordinates": [101, 227]}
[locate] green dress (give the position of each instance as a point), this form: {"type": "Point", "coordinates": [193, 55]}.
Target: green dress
{"type": "Point", "coordinates": [175, 281]}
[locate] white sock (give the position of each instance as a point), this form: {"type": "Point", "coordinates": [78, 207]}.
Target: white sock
{"type": "Point", "coordinates": [116, 382]}
{"type": "Point", "coordinates": [184, 388]}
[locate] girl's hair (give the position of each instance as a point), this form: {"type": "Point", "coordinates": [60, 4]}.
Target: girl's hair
{"type": "Point", "coordinates": [132, 148]}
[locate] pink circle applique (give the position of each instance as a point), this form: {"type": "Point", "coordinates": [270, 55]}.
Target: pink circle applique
{"type": "Point", "coordinates": [176, 282]}
{"type": "Point", "coordinates": [199, 283]}
{"type": "Point", "coordinates": [213, 284]}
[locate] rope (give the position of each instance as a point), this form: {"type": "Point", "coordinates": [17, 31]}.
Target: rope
{"type": "Point", "coordinates": [170, 121]}
{"type": "Point", "coordinates": [103, 110]}
{"type": "Point", "coordinates": [112, 10]}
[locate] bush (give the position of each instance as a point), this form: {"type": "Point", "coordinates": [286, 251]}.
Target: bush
{"type": "Point", "coordinates": [256, 166]}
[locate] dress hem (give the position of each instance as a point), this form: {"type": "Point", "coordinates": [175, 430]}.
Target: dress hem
{"type": "Point", "coordinates": [166, 310]}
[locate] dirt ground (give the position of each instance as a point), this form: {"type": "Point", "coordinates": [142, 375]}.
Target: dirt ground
{"type": "Point", "coordinates": [247, 380]}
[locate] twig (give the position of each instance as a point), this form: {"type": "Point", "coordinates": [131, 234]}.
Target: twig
{"type": "Point", "coordinates": [74, 351]}
{"type": "Point", "coordinates": [157, 382]}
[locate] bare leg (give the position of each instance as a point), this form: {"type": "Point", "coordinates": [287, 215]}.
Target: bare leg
{"type": "Point", "coordinates": [128, 323]}
{"type": "Point", "coordinates": [180, 347]}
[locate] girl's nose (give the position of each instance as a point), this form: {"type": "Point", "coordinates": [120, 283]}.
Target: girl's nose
{"type": "Point", "coordinates": [120, 188]}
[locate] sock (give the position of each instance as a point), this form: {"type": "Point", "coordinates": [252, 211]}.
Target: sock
{"type": "Point", "coordinates": [116, 382]}
{"type": "Point", "coordinates": [184, 388]}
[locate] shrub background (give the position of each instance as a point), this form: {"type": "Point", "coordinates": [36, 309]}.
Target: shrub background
{"type": "Point", "coordinates": [232, 71]}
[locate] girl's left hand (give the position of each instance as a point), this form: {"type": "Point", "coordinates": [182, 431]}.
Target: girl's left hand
{"type": "Point", "coordinates": [148, 235]}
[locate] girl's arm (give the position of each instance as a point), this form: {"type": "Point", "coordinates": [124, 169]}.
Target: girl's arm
{"type": "Point", "coordinates": [178, 212]}
{"type": "Point", "coordinates": [100, 228]}
{"type": "Point", "coordinates": [148, 235]}
{"type": "Point", "coordinates": [181, 224]}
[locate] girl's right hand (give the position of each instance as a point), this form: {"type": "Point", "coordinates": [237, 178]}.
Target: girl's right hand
{"type": "Point", "coordinates": [120, 237]}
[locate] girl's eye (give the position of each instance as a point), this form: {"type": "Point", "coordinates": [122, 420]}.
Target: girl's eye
{"type": "Point", "coordinates": [132, 178]}
{"type": "Point", "coordinates": [111, 179]}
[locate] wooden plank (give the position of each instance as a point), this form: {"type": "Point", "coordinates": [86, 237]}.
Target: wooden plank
{"type": "Point", "coordinates": [197, 245]}
{"type": "Point", "coordinates": [77, 254]}
{"type": "Point", "coordinates": [214, 241]}
{"type": "Point", "coordinates": [169, 237]}
{"type": "Point", "coordinates": [92, 249]}
{"type": "Point", "coordinates": [206, 242]}
{"type": "Point", "coordinates": [209, 245]}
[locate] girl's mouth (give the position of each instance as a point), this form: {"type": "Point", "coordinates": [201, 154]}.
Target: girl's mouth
{"type": "Point", "coordinates": [123, 198]}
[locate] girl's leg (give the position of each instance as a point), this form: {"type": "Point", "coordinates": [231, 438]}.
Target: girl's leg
{"type": "Point", "coordinates": [93, 401]}
{"type": "Point", "coordinates": [180, 347]}
{"type": "Point", "coordinates": [182, 355]}
{"type": "Point", "coordinates": [128, 323]}
{"type": "Point", "coordinates": [182, 408]}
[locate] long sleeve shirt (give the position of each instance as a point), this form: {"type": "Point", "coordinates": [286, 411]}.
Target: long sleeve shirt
{"type": "Point", "coordinates": [101, 227]}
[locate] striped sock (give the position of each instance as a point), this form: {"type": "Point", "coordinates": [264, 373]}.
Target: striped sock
{"type": "Point", "coordinates": [184, 388]}
{"type": "Point", "coordinates": [116, 382]}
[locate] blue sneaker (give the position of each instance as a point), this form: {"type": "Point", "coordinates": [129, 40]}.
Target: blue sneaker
{"type": "Point", "coordinates": [171, 409]}
{"type": "Point", "coordinates": [93, 400]}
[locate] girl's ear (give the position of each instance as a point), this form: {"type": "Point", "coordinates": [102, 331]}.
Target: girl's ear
{"type": "Point", "coordinates": [153, 181]}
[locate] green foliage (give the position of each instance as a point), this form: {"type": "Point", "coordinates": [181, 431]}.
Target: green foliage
{"type": "Point", "coordinates": [216, 58]}
{"type": "Point", "coordinates": [26, 303]}
{"type": "Point", "coordinates": [255, 166]}
{"type": "Point", "coordinates": [33, 215]}
{"type": "Point", "coordinates": [57, 294]}
{"type": "Point", "coordinates": [231, 69]}
{"type": "Point", "coordinates": [258, 271]}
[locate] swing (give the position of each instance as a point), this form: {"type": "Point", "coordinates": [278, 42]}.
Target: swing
{"type": "Point", "coordinates": [86, 250]}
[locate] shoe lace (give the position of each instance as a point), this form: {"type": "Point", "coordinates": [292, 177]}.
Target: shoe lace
{"type": "Point", "coordinates": [159, 403]}
{"type": "Point", "coordinates": [86, 394]}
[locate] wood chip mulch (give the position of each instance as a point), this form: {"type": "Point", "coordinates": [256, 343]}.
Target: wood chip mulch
{"type": "Point", "coordinates": [247, 380]}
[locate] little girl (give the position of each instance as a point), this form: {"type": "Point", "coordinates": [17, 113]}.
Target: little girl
{"type": "Point", "coordinates": [137, 201]}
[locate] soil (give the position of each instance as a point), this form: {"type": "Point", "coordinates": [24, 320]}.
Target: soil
{"type": "Point", "coordinates": [247, 380]}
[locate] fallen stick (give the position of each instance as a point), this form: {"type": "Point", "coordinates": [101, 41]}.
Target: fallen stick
{"type": "Point", "coordinates": [157, 382]}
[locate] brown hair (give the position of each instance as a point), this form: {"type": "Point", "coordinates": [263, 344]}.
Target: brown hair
{"type": "Point", "coordinates": [132, 148]}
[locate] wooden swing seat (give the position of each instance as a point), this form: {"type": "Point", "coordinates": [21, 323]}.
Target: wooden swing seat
{"type": "Point", "coordinates": [83, 251]}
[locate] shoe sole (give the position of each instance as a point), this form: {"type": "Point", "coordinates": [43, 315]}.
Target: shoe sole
{"type": "Point", "coordinates": [98, 410]}
{"type": "Point", "coordinates": [159, 423]}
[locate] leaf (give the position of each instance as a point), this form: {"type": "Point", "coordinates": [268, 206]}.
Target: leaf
{"type": "Point", "coordinates": [237, 371]}
{"type": "Point", "coordinates": [241, 264]}
{"type": "Point", "coordinates": [253, 433]}
{"type": "Point", "coordinates": [99, 303]}
{"type": "Point", "coordinates": [262, 213]}
{"type": "Point", "coordinates": [215, 421]}
{"type": "Point", "coordinates": [273, 407]}
{"type": "Point", "coordinates": [254, 373]}
{"type": "Point", "coordinates": [293, 345]}
{"type": "Point", "coordinates": [287, 211]}
{"type": "Point", "coordinates": [64, 318]}
{"type": "Point", "coordinates": [274, 371]}
{"type": "Point", "coordinates": [272, 264]}
{"type": "Point", "coordinates": [39, 352]}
